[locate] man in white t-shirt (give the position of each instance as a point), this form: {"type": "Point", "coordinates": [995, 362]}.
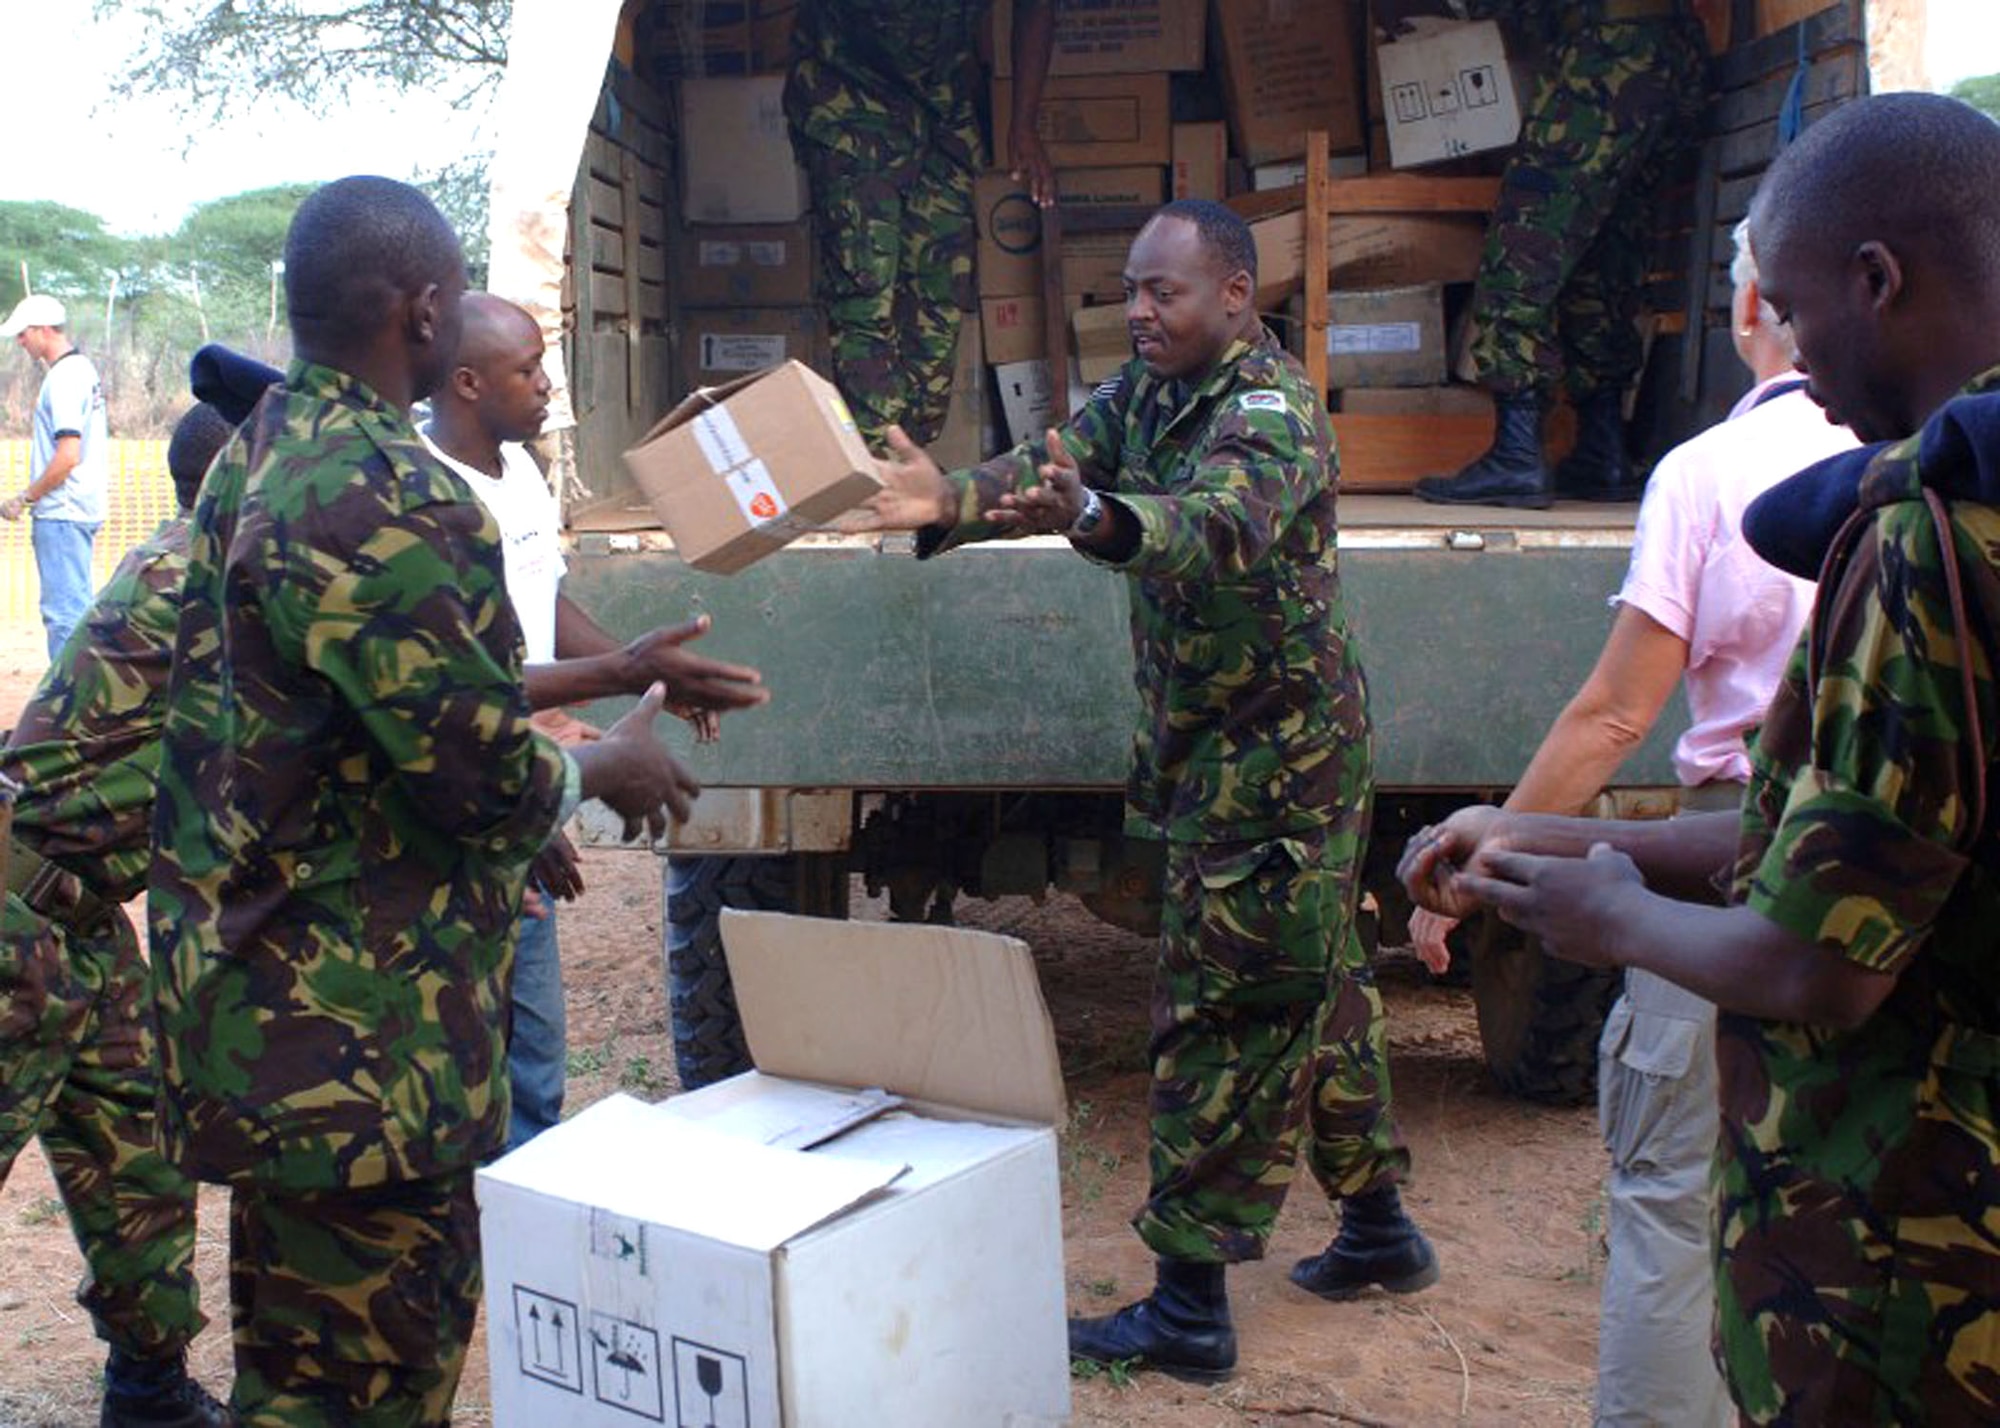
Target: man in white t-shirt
{"type": "Point", "coordinates": [496, 398]}
{"type": "Point", "coordinates": [68, 459]}
{"type": "Point", "coordinates": [1700, 608]}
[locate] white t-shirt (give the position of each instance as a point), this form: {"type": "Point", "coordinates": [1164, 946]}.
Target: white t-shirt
{"type": "Point", "coordinates": [530, 522]}
{"type": "Point", "coordinates": [1693, 572]}
{"type": "Point", "coordinates": [72, 404]}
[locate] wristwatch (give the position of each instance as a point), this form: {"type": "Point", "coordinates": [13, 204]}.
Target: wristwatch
{"type": "Point", "coordinates": [1090, 517]}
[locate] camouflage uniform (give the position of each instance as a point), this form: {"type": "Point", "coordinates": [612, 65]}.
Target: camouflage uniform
{"type": "Point", "coordinates": [1858, 1274]}
{"type": "Point", "coordinates": [881, 107]}
{"type": "Point", "coordinates": [1252, 761]}
{"type": "Point", "coordinates": [349, 795]}
{"type": "Point", "coordinates": [1616, 106]}
{"type": "Point", "coordinates": [77, 1058]}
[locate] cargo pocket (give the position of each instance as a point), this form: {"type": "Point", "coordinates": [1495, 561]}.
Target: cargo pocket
{"type": "Point", "coordinates": [1645, 1061]}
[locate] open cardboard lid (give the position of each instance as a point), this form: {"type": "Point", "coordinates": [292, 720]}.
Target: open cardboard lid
{"type": "Point", "coordinates": [703, 399]}
{"type": "Point", "coordinates": [938, 1014]}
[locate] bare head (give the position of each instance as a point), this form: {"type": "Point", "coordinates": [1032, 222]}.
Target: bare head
{"type": "Point", "coordinates": [1190, 281]}
{"type": "Point", "coordinates": [201, 432]}
{"type": "Point", "coordinates": [1877, 240]}
{"type": "Point", "coordinates": [497, 383]}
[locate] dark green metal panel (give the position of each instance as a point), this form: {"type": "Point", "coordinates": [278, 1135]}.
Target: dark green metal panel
{"type": "Point", "coordinates": [1009, 666]}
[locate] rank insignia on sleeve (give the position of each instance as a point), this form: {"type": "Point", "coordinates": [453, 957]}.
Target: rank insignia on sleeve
{"type": "Point", "coordinates": [1262, 401]}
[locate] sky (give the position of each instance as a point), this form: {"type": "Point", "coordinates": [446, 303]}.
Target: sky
{"type": "Point", "coordinates": [140, 166]}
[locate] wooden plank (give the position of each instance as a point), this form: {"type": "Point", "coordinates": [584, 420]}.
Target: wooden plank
{"type": "Point", "coordinates": [635, 306]}
{"type": "Point", "coordinates": [652, 220]}
{"type": "Point", "coordinates": [607, 203]}
{"type": "Point", "coordinates": [1832, 28]}
{"type": "Point", "coordinates": [607, 297]}
{"type": "Point", "coordinates": [1751, 150]}
{"type": "Point", "coordinates": [605, 249]}
{"type": "Point", "coordinates": [1379, 193]}
{"type": "Point", "coordinates": [1826, 83]}
{"type": "Point", "coordinates": [1317, 316]}
{"type": "Point", "coordinates": [1700, 251]}
{"type": "Point", "coordinates": [1056, 326]}
{"type": "Point", "coordinates": [582, 364]}
{"type": "Point", "coordinates": [1389, 453]}
{"type": "Point", "coordinates": [652, 308]}
{"type": "Point", "coordinates": [635, 94]}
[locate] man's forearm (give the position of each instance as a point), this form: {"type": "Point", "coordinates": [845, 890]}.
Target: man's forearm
{"type": "Point", "coordinates": [61, 464]}
{"type": "Point", "coordinates": [1682, 858]}
{"type": "Point", "coordinates": [578, 681]}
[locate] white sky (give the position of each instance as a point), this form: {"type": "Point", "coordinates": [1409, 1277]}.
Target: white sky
{"type": "Point", "coordinates": [137, 166]}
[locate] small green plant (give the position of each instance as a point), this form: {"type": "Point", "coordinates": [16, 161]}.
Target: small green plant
{"type": "Point", "coordinates": [1117, 1373]}
{"type": "Point", "coordinates": [586, 1061]}
{"type": "Point", "coordinates": [42, 1211]}
{"type": "Point", "coordinates": [1102, 1288]}
{"type": "Point", "coordinates": [641, 1075]}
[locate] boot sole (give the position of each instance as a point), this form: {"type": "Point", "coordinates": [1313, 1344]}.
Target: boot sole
{"type": "Point", "coordinates": [1186, 1373]}
{"type": "Point", "coordinates": [1407, 1284]}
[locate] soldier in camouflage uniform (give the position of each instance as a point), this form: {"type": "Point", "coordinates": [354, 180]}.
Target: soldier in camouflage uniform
{"type": "Point", "coordinates": [1616, 106]}
{"type": "Point", "coordinates": [77, 1059]}
{"type": "Point", "coordinates": [880, 100]}
{"type": "Point", "coordinates": [349, 795]}
{"type": "Point", "coordinates": [1205, 473]}
{"type": "Point", "coordinates": [1857, 1273]}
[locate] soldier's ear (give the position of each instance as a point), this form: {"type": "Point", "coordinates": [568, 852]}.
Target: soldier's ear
{"type": "Point", "coordinates": [1237, 293]}
{"type": "Point", "coordinates": [1881, 270]}
{"type": "Point", "coordinates": [421, 315]}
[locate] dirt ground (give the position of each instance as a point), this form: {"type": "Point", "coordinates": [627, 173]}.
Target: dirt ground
{"type": "Point", "coordinates": [1510, 1194]}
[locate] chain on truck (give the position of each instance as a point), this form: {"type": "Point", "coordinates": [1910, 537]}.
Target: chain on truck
{"type": "Point", "coordinates": [961, 728]}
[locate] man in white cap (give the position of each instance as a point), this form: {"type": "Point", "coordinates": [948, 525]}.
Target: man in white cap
{"type": "Point", "coordinates": [68, 455]}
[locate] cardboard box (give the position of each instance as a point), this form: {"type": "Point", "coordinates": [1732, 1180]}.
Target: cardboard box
{"type": "Point", "coordinates": [739, 471]}
{"type": "Point", "coordinates": [1290, 173]}
{"type": "Point", "coordinates": [1096, 122]}
{"type": "Point", "coordinates": [1289, 66]}
{"type": "Point", "coordinates": [720, 345]}
{"type": "Point", "coordinates": [1201, 155]}
{"type": "Point", "coordinates": [1013, 329]}
{"type": "Point", "coordinates": [1388, 337]}
{"type": "Point", "coordinates": [785, 1248]}
{"type": "Point", "coordinates": [967, 437]}
{"type": "Point", "coordinates": [741, 265]}
{"type": "Point", "coordinates": [1093, 265]}
{"type": "Point", "coordinates": [689, 38]}
{"type": "Point", "coordinates": [1128, 37]}
{"type": "Point", "coordinates": [1448, 93]}
{"type": "Point", "coordinates": [1103, 341]}
{"type": "Point", "coordinates": [1368, 250]}
{"type": "Point", "coordinates": [1126, 186]}
{"type": "Point", "coordinates": [1027, 402]}
{"type": "Point", "coordinates": [1010, 237]}
{"type": "Point", "coordinates": [736, 153]}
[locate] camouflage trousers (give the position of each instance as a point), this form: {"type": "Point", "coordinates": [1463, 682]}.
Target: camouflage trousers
{"type": "Point", "coordinates": [1266, 1022]}
{"type": "Point", "coordinates": [79, 1067]}
{"type": "Point", "coordinates": [352, 1307]}
{"type": "Point", "coordinates": [896, 243]}
{"type": "Point", "coordinates": [1564, 267]}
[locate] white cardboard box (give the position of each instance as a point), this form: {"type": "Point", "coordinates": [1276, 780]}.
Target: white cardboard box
{"type": "Point", "coordinates": [783, 1248]}
{"type": "Point", "coordinates": [1027, 403]}
{"type": "Point", "coordinates": [736, 162]}
{"type": "Point", "coordinates": [1448, 93]}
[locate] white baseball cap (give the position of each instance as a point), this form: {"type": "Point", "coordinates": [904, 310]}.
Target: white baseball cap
{"type": "Point", "coordinates": [35, 310]}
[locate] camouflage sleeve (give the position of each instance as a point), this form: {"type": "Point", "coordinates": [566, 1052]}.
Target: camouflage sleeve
{"type": "Point", "coordinates": [1866, 852]}
{"type": "Point", "coordinates": [398, 636]}
{"type": "Point", "coordinates": [1093, 438]}
{"type": "Point", "coordinates": [1258, 470]}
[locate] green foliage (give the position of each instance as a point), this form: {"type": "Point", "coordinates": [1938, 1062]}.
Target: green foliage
{"type": "Point", "coordinates": [68, 252]}
{"type": "Point", "coordinates": [458, 188]}
{"type": "Point", "coordinates": [1981, 92]}
{"type": "Point", "coordinates": [221, 57]}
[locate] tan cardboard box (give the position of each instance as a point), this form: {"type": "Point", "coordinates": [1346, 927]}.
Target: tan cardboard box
{"type": "Point", "coordinates": [741, 470]}
{"type": "Point", "coordinates": [1093, 265]}
{"type": "Point", "coordinates": [721, 344]}
{"type": "Point", "coordinates": [1124, 186]}
{"type": "Point", "coordinates": [1289, 66]}
{"type": "Point", "coordinates": [1097, 121]}
{"type": "Point", "coordinates": [1010, 236]}
{"type": "Point", "coordinates": [1130, 37]}
{"type": "Point", "coordinates": [1027, 403]}
{"type": "Point", "coordinates": [1368, 250]}
{"type": "Point", "coordinates": [1447, 94]}
{"type": "Point", "coordinates": [746, 265]}
{"type": "Point", "coordinates": [1013, 329]}
{"type": "Point", "coordinates": [1103, 341]}
{"type": "Point", "coordinates": [1201, 154]}
{"type": "Point", "coordinates": [1386, 337]}
{"type": "Point", "coordinates": [736, 155]}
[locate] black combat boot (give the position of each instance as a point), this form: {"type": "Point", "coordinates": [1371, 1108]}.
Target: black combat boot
{"type": "Point", "coordinates": [156, 1393]}
{"type": "Point", "coordinates": [1511, 473]}
{"type": "Point", "coordinates": [1377, 1244]}
{"type": "Point", "coordinates": [1182, 1328]}
{"type": "Point", "coordinates": [1599, 468]}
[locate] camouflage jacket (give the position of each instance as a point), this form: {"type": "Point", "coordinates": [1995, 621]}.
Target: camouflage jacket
{"type": "Point", "coordinates": [86, 747]}
{"type": "Point", "coordinates": [1859, 1276]}
{"type": "Point", "coordinates": [1253, 702]}
{"type": "Point", "coordinates": [349, 794]}
{"type": "Point", "coordinates": [889, 75]}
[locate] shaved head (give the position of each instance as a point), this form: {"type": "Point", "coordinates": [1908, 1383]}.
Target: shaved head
{"type": "Point", "coordinates": [493, 327]}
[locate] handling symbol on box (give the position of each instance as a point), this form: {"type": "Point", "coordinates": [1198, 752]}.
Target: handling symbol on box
{"type": "Point", "coordinates": [711, 1387]}
{"type": "Point", "coordinates": [626, 1358]}
{"type": "Point", "coordinates": [546, 1328]}
{"type": "Point", "coordinates": [1444, 100]}
{"type": "Point", "coordinates": [1408, 102]}
{"type": "Point", "coordinates": [1478, 87]}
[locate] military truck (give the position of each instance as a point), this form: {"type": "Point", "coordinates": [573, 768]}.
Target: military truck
{"type": "Point", "coordinates": [960, 727]}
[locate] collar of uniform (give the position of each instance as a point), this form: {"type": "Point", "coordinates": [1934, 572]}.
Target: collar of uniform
{"type": "Point", "coordinates": [1220, 377]}
{"type": "Point", "coordinates": [330, 384]}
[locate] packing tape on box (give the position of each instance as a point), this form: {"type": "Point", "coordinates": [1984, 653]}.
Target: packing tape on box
{"type": "Point", "coordinates": [749, 481]}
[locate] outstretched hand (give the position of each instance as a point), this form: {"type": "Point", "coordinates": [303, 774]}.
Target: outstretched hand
{"type": "Point", "coordinates": [694, 683]}
{"type": "Point", "coordinates": [1050, 508]}
{"type": "Point", "coordinates": [914, 492]}
{"type": "Point", "coordinates": [632, 772]}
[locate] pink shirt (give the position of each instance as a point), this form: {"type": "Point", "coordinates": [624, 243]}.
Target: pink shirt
{"type": "Point", "coordinates": [1693, 572]}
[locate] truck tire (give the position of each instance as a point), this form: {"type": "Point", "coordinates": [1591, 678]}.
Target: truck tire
{"type": "Point", "coordinates": [708, 1034]}
{"type": "Point", "coordinates": [1539, 1016]}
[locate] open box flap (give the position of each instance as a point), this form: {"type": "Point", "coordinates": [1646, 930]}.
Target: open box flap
{"type": "Point", "coordinates": [937, 1014]}
{"type": "Point", "coordinates": [704, 398]}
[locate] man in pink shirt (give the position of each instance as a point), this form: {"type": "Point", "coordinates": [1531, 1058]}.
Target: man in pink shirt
{"type": "Point", "coordinates": [1699, 608]}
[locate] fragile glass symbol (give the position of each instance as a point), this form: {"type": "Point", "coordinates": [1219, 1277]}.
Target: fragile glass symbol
{"type": "Point", "coordinates": [708, 1373]}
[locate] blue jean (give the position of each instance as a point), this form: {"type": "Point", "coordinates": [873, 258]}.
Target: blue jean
{"type": "Point", "coordinates": [536, 1054]}
{"type": "Point", "coordinates": [62, 563]}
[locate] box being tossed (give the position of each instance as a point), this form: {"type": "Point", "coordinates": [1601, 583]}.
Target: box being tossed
{"type": "Point", "coordinates": [738, 471]}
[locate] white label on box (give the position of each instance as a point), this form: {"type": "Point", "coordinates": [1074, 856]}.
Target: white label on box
{"type": "Point", "coordinates": [759, 253]}
{"type": "Point", "coordinates": [756, 495]}
{"type": "Point", "coordinates": [721, 440]}
{"type": "Point", "coordinates": [741, 351]}
{"type": "Point", "coordinates": [1360, 339]}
